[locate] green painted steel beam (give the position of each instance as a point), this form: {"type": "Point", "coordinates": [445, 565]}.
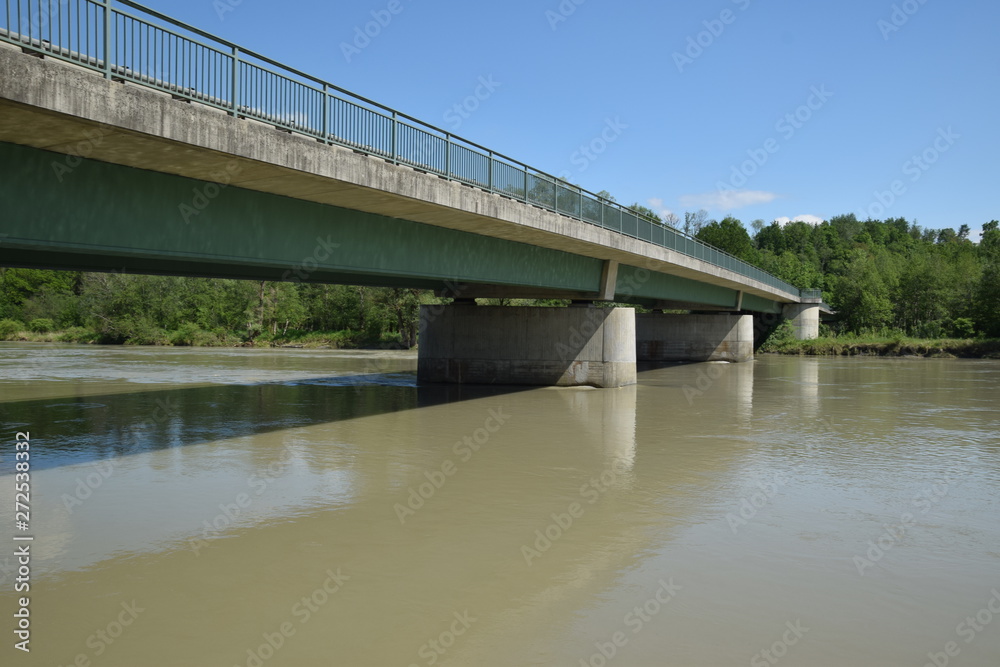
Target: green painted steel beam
{"type": "Point", "coordinates": [101, 216]}
{"type": "Point", "coordinates": [639, 283]}
{"type": "Point", "coordinates": [758, 304]}
{"type": "Point", "coordinates": [106, 217]}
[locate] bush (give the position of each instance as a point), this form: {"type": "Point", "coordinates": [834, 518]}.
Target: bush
{"type": "Point", "coordinates": [186, 334]}
{"type": "Point", "coordinates": [41, 325]}
{"type": "Point", "coordinates": [10, 328]}
{"type": "Point", "coordinates": [781, 337]}
{"type": "Point", "coordinates": [77, 335]}
{"type": "Point", "coordinates": [963, 327]}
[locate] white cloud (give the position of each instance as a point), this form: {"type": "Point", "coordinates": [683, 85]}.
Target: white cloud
{"type": "Point", "coordinates": [811, 219]}
{"type": "Point", "coordinates": [657, 205]}
{"type": "Point", "coordinates": [727, 200]}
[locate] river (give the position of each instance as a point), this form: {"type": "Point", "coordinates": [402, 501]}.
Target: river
{"type": "Point", "coordinates": [316, 507]}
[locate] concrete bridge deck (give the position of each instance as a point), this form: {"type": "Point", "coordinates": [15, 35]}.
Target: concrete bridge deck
{"type": "Point", "coordinates": [109, 166]}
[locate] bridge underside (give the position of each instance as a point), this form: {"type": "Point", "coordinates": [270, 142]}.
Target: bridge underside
{"type": "Point", "coordinates": [73, 213]}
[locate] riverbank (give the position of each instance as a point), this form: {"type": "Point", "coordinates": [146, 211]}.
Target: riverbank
{"type": "Point", "coordinates": [947, 348]}
{"type": "Point", "coordinates": [193, 337]}
{"type": "Point", "coordinates": [944, 348]}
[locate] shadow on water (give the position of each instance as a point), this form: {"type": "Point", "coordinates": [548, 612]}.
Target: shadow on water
{"type": "Point", "coordinates": [84, 429]}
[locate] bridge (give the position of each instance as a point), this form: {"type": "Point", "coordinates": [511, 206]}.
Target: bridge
{"type": "Point", "coordinates": [133, 142]}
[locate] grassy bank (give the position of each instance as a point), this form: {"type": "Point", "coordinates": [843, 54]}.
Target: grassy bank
{"type": "Point", "coordinates": [781, 343]}
{"type": "Point", "coordinates": [897, 346]}
{"type": "Point", "coordinates": [194, 337]}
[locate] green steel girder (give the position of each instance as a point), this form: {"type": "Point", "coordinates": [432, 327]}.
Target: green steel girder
{"type": "Point", "coordinates": [105, 217]}
{"type": "Point", "coordinates": [101, 216]}
{"type": "Point", "coordinates": [638, 284]}
{"type": "Point", "coordinates": [759, 304]}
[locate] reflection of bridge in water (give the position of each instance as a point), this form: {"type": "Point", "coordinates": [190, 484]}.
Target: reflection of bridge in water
{"type": "Point", "coordinates": [189, 155]}
{"type": "Point", "coordinates": [351, 459]}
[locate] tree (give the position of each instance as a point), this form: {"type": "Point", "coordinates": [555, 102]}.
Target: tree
{"type": "Point", "coordinates": [729, 235]}
{"type": "Point", "coordinates": [693, 222]}
{"type": "Point", "coordinates": [863, 292]}
{"type": "Point", "coordinates": [987, 310]}
{"type": "Point", "coordinates": [647, 213]}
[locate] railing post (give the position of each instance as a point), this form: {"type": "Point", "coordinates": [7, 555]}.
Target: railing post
{"type": "Point", "coordinates": [326, 114]}
{"type": "Point", "coordinates": [392, 141]}
{"type": "Point", "coordinates": [489, 169]}
{"type": "Point", "coordinates": [107, 38]}
{"type": "Point", "coordinates": [447, 154]}
{"type": "Point", "coordinates": [526, 200]}
{"type": "Point", "coordinates": [236, 81]}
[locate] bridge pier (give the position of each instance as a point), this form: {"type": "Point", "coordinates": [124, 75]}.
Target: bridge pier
{"type": "Point", "coordinates": [584, 346]}
{"type": "Point", "coordinates": [712, 337]}
{"type": "Point", "coordinates": [804, 318]}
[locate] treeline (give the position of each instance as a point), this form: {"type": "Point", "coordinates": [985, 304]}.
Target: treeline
{"type": "Point", "coordinates": [883, 277]}
{"type": "Point", "coordinates": [160, 310]}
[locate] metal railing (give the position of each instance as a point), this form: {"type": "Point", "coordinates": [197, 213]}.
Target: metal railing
{"type": "Point", "coordinates": [141, 45]}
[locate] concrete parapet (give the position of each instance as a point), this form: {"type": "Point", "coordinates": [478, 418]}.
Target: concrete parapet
{"type": "Point", "coordinates": [715, 337]}
{"type": "Point", "coordinates": [804, 318]}
{"type": "Point", "coordinates": [527, 346]}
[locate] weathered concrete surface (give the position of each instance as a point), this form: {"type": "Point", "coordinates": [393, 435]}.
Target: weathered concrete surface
{"type": "Point", "coordinates": [804, 318]}
{"type": "Point", "coordinates": [49, 104]}
{"type": "Point", "coordinates": [527, 346]}
{"type": "Point", "coordinates": [716, 337]}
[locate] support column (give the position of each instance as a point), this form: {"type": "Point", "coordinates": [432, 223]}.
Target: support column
{"type": "Point", "coordinates": [566, 347]}
{"type": "Point", "coordinates": [804, 318]}
{"type": "Point", "coordinates": [714, 337]}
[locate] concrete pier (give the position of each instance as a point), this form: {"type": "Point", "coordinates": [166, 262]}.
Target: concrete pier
{"type": "Point", "coordinates": [804, 318]}
{"type": "Point", "coordinates": [714, 337]}
{"type": "Point", "coordinates": [577, 346]}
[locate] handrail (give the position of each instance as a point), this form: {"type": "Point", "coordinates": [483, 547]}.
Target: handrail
{"type": "Point", "coordinates": [129, 45]}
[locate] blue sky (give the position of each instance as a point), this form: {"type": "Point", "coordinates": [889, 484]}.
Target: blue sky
{"type": "Point", "coordinates": [748, 108]}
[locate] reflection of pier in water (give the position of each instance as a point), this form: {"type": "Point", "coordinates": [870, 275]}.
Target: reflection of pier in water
{"type": "Point", "coordinates": [333, 502]}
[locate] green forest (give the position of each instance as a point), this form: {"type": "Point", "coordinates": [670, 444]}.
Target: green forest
{"type": "Point", "coordinates": [883, 277]}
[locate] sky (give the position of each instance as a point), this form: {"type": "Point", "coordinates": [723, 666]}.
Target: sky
{"type": "Point", "coordinates": [774, 110]}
